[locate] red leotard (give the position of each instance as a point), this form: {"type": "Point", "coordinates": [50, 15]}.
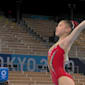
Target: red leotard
{"type": "Point", "coordinates": [56, 61]}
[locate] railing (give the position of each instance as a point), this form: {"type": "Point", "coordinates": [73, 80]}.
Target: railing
{"type": "Point", "coordinates": [31, 31]}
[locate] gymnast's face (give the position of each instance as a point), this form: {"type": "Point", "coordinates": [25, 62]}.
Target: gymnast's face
{"type": "Point", "coordinates": [62, 29]}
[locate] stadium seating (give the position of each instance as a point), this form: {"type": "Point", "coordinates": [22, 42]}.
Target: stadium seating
{"type": "Point", "coordinates": [14, 40]}
{"type": "Point", "coordinates": [47, 27]}
{"type": "Point", "coordinates": [44, 28]}
{"type": "Point", "coordinates": [38, 78]}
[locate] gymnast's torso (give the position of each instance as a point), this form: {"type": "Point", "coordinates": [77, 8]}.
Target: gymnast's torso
{"type": "Point", "coordinates": [56, 60]}
{"type": "Point", "coordinates": [66, 57]}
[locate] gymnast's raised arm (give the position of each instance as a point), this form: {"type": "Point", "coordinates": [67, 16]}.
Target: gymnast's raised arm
{"type": "Point", "coordinates": [73, 36]}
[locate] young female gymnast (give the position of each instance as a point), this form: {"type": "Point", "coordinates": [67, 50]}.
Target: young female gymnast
{"type": "Point", "coordinates": [68, 31]}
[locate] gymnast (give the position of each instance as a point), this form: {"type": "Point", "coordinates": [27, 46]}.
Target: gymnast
{"type": "Point", "coordinates": [68, 31]}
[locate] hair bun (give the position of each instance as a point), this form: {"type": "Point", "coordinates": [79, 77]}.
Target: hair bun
{"type": "Point", "coordinates": [75, 23]}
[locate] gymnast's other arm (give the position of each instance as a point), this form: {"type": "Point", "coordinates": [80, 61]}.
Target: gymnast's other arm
{"type": "Point", "coordinates": [68, 41]}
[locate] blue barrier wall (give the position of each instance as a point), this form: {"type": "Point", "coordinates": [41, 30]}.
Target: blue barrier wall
{"type": "Point", "coordinates": [23, 62]}
{"type": "Point", "coordinates": [36, 63]}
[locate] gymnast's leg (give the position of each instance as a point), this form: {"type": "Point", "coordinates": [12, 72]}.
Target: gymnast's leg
{"type": "Point", "coordinates": [64, 80]}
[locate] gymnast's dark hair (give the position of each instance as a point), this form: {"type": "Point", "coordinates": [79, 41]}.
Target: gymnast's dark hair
{"type": "Point", "coordinates": [72, 24]}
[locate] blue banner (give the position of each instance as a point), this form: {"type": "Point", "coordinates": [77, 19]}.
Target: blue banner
{"type": "Point", "coordinates": [23, 62]}
{"type": "Point", "coordinates": [36, 63]}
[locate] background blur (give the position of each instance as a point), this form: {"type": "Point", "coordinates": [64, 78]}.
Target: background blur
{"type": "Point", "coordinates": [27, 31]}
